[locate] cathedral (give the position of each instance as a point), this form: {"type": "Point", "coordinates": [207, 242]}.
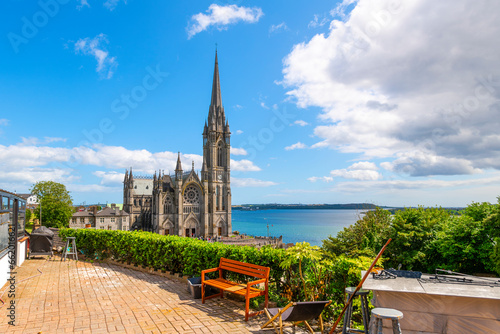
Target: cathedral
{"type": "Point", "coordinates": [186, 203]}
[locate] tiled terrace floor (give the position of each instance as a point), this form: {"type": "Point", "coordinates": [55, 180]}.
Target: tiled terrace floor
{"type": "Point", "coordinates": [84, 297]}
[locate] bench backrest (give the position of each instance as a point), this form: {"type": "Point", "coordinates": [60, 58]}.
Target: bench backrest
{"type": "Point", "coordinates": [244, 268]}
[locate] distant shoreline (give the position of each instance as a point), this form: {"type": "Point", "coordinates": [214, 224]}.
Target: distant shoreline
{"type": "Point", "coordinates": [351, 206]}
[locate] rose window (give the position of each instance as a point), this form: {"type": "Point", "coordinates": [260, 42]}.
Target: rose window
{"type": "Point", "coordinates": [191, 195]}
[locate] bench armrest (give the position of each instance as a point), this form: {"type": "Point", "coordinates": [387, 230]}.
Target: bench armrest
{"type": "Point", "coordinates": [203, 272]}
{"type": "Point", "coordinates": [249, 284]}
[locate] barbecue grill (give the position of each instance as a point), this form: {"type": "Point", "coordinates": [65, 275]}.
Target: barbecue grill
{"type": "Point", "coordinates": [41, 242]}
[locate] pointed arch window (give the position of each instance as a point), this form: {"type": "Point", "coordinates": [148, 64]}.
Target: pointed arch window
{"type": "Point", "coordinates": [217, 198]}
{"type": "Point", "coordinates": [220, 154]}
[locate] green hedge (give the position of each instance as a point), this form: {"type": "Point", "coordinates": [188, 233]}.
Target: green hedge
{"type": "Point", "coordinates": [170, 253]}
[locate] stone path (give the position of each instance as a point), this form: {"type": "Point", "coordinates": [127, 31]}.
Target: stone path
{"type": "Point", "coordinates": [84, 297]}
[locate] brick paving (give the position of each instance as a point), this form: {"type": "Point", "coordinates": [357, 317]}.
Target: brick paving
{"type": "Point", "coordinates": [84, 297]}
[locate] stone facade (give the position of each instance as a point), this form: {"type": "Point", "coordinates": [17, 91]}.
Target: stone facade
{"type": "Point", "coordinates": [185, 203]}
{"type": "Point", "coordinates": [109, 218]}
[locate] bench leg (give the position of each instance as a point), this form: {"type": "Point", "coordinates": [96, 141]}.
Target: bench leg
{"type": "Point", "coordinates": [247, 307]}
{"type": "Point", "coordinates": [202, 293]}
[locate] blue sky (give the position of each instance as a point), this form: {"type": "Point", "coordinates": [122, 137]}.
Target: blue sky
{"type": "Point", "coordinates": [388, 102]}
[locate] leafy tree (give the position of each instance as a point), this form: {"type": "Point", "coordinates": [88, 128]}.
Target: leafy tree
{"type": "Point", "coordinates": [57, 205]}
{"type": "Point", "coordinates": [412, 232]}
{"type": "Point", "coordinates": [364, 237]}
{"type": "Point", "coordinates": [464, 246]}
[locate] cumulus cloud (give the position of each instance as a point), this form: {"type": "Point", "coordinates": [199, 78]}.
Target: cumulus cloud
{"type": "Point", "coordinates": [249, 182]}
{"type": "Point", "coordinates": [363, 171]}
{"type": "Point", "coordinates": [296, 146]}
{"type": "Point", "coordinates": [388, 84]}
{"type": "Point", "coordinates": [300, 122]}
{"type": "Point", "coordinates": [238, 132]}
{"type": "Point", "coordinates": [24, 164]}
{"type": "Point", "coordinates": [278, 27]}
{"type": "Point", "coordinates": [244, 166]}
{"type": "Point", "coordinates": [96, 47]}
{"type": "Point", "coordinates": [221, 17]}
{"type": "Point", "coordinates": [110, 178]}
{"type": "Point", "coordinates": [238, 151]}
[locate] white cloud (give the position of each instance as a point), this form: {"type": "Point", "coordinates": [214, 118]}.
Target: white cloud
{"type": "Point", "coordinates": [96, 47]}
{"type": "Point", "coordinates": [391, 185]}
{"type": "Point", "coordinates": [278, 27]}
{"type": "Point", "coordinates": [363, 171]}
{"type": "Point", "coordinates": [263, 105]}
{"type": "Point", "coordinates": [27, 164]}
{"type": "Point", "coordinates": [388, 84]}
{"type": "Point", "coordinates": [238, 132]}
{"type": "Point", "coordinates": [244, 166]}
{"type": "Point", "coordinates": [296, 146]}
{"type": "Point", "coordinates": [92, 188]}
{"type": "Point", "coordinates": [249, 182]}
{"type": "Point", "coordinates": [36, 141]}
{"type": "Point", "coordinates": [238, 151]}
{"type": "Point", "coordinates": [300, 122]}
{"type": "Point", "coordinates": [221, 17]}
{"type": "Point", "coordinates": [110, 178]}
{"type": "Point", "coordinates": [321, 178]}
{"type": "Point", "coordinates": [318, 21]}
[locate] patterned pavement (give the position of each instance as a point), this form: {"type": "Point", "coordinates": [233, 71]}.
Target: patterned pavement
{"type": "Point", "coordinates": [84, 297]}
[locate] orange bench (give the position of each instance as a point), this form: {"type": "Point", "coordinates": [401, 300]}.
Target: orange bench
{"type": "Point", "coordinates": [246, 289]}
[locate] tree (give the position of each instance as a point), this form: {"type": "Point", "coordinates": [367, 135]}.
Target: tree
{"type": "Point", "coordinates": [57, 205]}
{"type": "Point", "coordinates": [364, 237]}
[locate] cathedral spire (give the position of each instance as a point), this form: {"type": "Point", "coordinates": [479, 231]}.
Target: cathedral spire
{"type": "Point", "coordinates": [216, 96]}
{"type": "Point", "coordinates": [179, 164]}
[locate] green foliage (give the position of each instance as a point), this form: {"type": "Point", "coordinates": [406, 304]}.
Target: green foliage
{"type": "Point", "coordinates": [302, 251]}
{"type": "Point", "coordinates": [57, 206]}
{"type": "Point", "coordinates": [28, 215]}
{"type": "Point", "coordinates": [362, 238]}
{"type": "Point", "coordinates": [412, 230]}
{"type": "Point", "coordinates": [425, 239]}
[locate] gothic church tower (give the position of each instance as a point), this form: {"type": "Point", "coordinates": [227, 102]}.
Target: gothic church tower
{"type": "Point", "coordinates": [216, 162]}
{"type": "Point", "coordinates": [184, 203]}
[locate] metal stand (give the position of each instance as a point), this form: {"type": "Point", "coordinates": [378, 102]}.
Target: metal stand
{"type": "Point", "coordinates": [363, 294]}
{"type": "Point", "coordinates": [70, 249]}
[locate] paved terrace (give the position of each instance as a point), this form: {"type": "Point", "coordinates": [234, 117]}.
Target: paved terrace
{"type": "Point", "coordinates": [84, 297]}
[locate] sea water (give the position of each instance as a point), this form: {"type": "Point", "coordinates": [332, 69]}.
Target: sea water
{"type": "Point", "coordinates": [312, 226]}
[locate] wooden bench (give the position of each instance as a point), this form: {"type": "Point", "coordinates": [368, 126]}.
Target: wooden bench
{"type": "Point", "coordinates": [246, 290]}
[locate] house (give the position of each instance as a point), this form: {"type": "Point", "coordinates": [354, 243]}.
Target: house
{"type": "Point", "coordinates": [109, 218]}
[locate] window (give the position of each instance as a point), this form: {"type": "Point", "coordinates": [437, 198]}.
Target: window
{"type": "Point", "coordinates": [220, 155]}
{"type": "Point", "coordinates": [101, 220]}
{"type": "Point", "coordinates": [102, 227]}
{"type": "Point", "coordinates": [109, 227]}
{"type": "Point", "coordinates": [73, 220]}
{"type": "Point", "coordinates": [113, 220]}
{"type": "Point", "coordinates": [82, 220]}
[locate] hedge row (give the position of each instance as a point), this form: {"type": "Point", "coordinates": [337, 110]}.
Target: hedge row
{"type": "Point", "coordinates": [170, 253]}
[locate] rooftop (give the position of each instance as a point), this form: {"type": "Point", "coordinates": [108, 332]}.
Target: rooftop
{"type": "Point", "coordinates": [82, 297]}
